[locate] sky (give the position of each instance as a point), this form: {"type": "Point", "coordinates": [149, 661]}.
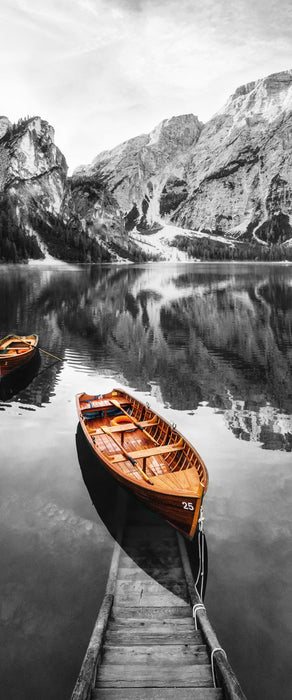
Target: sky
{"type": "Point", "coordinates": [103, 71]}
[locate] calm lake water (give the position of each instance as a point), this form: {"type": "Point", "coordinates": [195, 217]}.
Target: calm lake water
{"type": "Point", "coordinates": [210, 347]}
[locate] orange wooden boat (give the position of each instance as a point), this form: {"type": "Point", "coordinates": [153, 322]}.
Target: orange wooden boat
{"type": "Point", "coordinates": [147, 455]}
{"type": "Point", "coordinates": [16, 350]}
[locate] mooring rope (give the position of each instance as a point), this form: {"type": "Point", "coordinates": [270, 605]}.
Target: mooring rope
{"type": "Point", "coordinates": [212, 662]}
{"type": "Point", "coordinates": [197, 606]}
{"type": "Point", "coordinates": [201, 568]}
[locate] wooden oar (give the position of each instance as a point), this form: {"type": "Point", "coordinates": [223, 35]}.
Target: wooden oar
{"type": "Point", "coordinates": [49, 353]}
{"type": "Point", "coordinates": [136, 422]}
{"type": "Point", "coordinates": [105, 430]}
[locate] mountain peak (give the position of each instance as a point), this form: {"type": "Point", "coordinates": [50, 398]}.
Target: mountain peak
{"type": "Point", "coordinates": [182, 129]}
{"type": "Point", "coordinates": [265, 98]}
{"type": "Point", "coordinates": [278, 81]}
{"type": "Point", "coordinates": [272, 83]}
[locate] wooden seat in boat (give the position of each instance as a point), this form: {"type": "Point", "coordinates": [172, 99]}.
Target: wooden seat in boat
{"type": "Point", "coordinates": [149, 452]}
{"type": "Point", "coordinates": [122, 427]}
{"type": "Point", "coordinates": [100, 404]}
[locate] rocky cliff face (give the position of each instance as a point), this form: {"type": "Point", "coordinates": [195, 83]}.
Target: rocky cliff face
{"type": "Point", "coordinates": [32, 180]}
{"type": "Point", "coordinates": [32, 168]}
{"type": "Point", "coordinates": [92, 210]}
{"type": "Point", "coordinates": [239, 175]}
{"type": "Point", "coordinates": [43, 211]}
{"type": "Point", "coordinates": [146, 174]}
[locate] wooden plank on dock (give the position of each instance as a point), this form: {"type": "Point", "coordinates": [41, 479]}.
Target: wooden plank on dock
{"type": "Point", "coordinates": [140, 676]}
{"type": "Point", "coordinates": [156, 654]}
{"type": "Point", "coordinates": [145, 637]}
{"type": "Point", "coordinates": [157, 694]}
{"type": "Point", "coordinates": [154, 626]}
{"type": "Point", "coordinates": [150, 560]}
{"type": "Point", "coordinates": [160, 613]}
{"type": "Point", "coordinates": [175, 574]}
{"type": "Point", "coordinates": [141, 593]}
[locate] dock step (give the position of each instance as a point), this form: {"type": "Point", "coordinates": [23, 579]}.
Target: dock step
{"type": "Point", "coordinates": [150, 613]}
{"type": "Point", "coordinates": [165, 626]}
{"type": "Point", "coordinates": [141, 676]}
{"type": "Point", "coordinates": [156, 654]}
{"type": "Point", "coordinates": [123, 639]}
{"type": "Point", "coordinates": [142, 593]}
{"type": "Point", "coordinates": [183, 693]}
{"type": "Point", "coordinates": [174, 574]}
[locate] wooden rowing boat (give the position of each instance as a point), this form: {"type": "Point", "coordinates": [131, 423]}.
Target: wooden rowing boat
{"type": "Point", "coordinates": [147, 455]}
{"type": "Point", "coordinates": [16, 350]}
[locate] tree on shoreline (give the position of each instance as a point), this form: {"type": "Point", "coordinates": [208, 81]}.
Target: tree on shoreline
{"type": "Point", "coordinates": [209, 249]}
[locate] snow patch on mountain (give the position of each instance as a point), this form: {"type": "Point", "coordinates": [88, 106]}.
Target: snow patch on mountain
{"type": "Point", "coordinates": [161, 244]}
{"type": "Point", "coordinates": [158, 244]}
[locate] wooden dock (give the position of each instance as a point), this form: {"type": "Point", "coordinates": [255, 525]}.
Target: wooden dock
{"type": "Point", "coordinates": [152, 639]}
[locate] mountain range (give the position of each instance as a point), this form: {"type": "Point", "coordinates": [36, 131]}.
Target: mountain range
{"type": "Point", "coordinates": [186, 190]}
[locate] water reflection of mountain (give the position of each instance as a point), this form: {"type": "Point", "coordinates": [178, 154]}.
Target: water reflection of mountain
{"type": "Point", "coordinates": [218, 334]}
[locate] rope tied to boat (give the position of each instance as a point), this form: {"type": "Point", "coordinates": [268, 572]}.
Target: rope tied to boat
{"type": "Point", "coordinates": [212, 662]}
{"type": "Point", "coordinates": [196, 607]}
{"type": "Point", "coordinates": [201, 568]}
{"type": "Point", "coordinates": [201, 519]}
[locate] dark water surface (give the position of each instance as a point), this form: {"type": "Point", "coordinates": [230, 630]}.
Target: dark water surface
{"type": "Point", "coordinates": [210, 347]}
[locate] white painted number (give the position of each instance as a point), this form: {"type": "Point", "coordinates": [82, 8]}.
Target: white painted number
{"type": "Point", "coordinates": [187, 506]}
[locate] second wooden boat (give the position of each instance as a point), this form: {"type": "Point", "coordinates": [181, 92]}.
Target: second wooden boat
{"type": "Point", "coordinates": [16, 350]}
{"type": "Point", "coordinates": [147, 455]}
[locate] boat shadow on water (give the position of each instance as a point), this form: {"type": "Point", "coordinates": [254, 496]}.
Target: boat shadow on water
{"type": "Point", "coordinates": [156, 558]}
{"type": "Point", "coordinates": [18, 379]}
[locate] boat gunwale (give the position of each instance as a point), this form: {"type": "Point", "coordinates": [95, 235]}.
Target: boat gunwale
{"type": "Point", "coordinates": [135, 480]}
{"type": "Point", "coordinates": [22, 338]}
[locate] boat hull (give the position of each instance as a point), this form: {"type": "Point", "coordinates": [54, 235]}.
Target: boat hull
{"type": "Point", "coordinates": [177, 495]}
